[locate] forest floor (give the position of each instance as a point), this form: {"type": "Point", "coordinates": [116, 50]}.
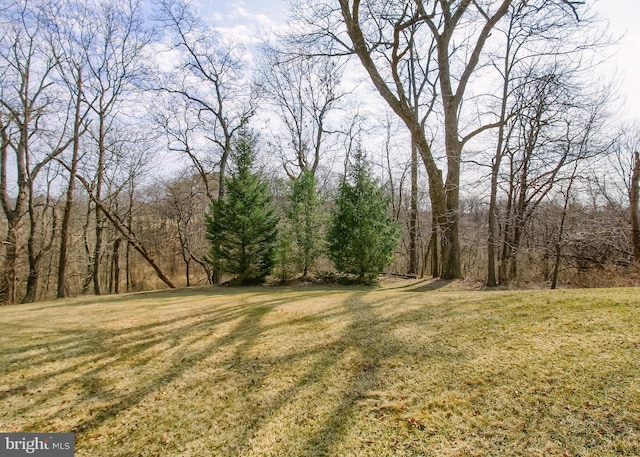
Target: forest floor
{"type": "Point", "coordinates": [407, 368]}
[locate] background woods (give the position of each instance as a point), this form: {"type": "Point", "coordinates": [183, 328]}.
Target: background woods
{"type": "Point", "coordinates": [485, 125]}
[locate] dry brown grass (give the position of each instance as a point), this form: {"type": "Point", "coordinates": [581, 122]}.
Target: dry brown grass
{"type": "Point", "coordinates": [408, 369]}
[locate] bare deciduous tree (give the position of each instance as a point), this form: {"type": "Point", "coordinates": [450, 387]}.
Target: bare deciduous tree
{"type": "Point", "coordinates": [29, 140]}
{"type": "Point", "coordinates": [67, 27]}
{"type": "Point", "coordinates": [304, 92]}
{"type": "Point", "coordinates": [208, 75]}
{"type": "Point", "coordinates": [626, 162]}
{"type": "Point", "coordinates": [381, 34]}
{"type": "Point", "coordinates": [113, 52]}
{"type": "Point", "coordinates": [533, 36]}
{"type": "Point", "coordinates": [552, 132]}
{"type": "Point", "coordinates": [185, 203]}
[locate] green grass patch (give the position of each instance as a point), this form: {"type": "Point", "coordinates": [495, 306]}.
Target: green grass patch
{"type": "Point", "coordinates": [405, 369]}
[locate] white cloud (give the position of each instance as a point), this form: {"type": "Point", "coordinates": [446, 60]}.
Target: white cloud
{"type": "Point", "coordinates": [239, 21]}
{"type": "Point", "coordinates": [241, 12]}
{"type": "Point", "coordinates": [164, 55]}
{"type": "Point", "coordinates": [624, 66]}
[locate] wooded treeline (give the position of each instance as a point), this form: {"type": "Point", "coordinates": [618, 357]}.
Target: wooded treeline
{"type": "Point", "coordinates": [497, 142]}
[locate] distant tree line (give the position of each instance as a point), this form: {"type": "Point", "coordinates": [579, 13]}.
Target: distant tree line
{"type": "Point", "coordinates": [129, 144]}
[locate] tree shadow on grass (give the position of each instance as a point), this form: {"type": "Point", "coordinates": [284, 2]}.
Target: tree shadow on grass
{"type": "Point", "coordinates": [368, 343]}
{"type": "Point", "coordinates": [431, 285]}
{"type": "Point", "coordinates": [163, 294]}
{"type": "Point", "coordinates": [177, 345]}
{"type": "Point", "coordinates": [373, 346]}
{"type": "Point", "coordinates": [98, 349]}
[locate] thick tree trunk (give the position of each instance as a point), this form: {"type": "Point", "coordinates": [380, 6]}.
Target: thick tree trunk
{"type": "Point", "coordinates": [217, 274]}
{"type": "Point", "coordinates": [433, 247]}
{"type": "Point", "coordinates": [450, 240]}
{"type": "Point", "coordinates": [35, 251]}
{"type": "Point", "coordinates": [450, 223]}
{"type": "Point", "coordinates": [450, 245]}
{"type": "Point", "coordinates": [14, 215]}
{"type": "Point", "coordinates": [9, 278]}
{"type": "Point", "coordinates": [88, 277]}
{"type": "Point", "coordinates": [492, 241]}
{"type": "Point", "coordinates": [68, 207]}
{"type": "Point", "coordinates": [97, 254]}
{"type": "Point", "coordinates": [32, 277]}
{"type": "Point", "coordinates": [127, 265]}
{"type": "Point", "coordinates": [515, 248]}
{"type": "Point", "coordinates": [413, 215]}
{"type": "Point", "coordinates": [97, 250]}
{"type": "Point", "coordinates": [129, 225]}
{"type": "Point", "coordinates": [64, 239]}
{"type": "Point", "coordinates": [116, 266]}
{"type": "Point", "coordinates": [505, 254]}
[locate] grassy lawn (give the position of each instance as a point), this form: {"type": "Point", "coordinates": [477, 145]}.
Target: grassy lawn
{"type": "Point", "coordinates": [406, 369]}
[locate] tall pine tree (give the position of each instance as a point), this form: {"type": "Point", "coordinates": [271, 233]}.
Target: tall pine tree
{"type": "Point", "coordinates": [242, 227]}
{"type": "Point", "coordinates": [362, 235]}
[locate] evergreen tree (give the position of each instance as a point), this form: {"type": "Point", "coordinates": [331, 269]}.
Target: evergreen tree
{"type": "Point", "coordinates": [304, 213]}
{"type": "Point", "coordinates": [285, 253]}
{"type": "Point", "coordinates": [242, 227]}
{"type": "Point", "coordinates": [362, 236]}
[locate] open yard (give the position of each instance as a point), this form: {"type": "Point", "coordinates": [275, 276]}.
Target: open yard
{"type": "Point", "coordinates": [412, 368]}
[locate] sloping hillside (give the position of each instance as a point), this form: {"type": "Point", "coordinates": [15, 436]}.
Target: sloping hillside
{"type": "Point", "coordinates": [407, 369]}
